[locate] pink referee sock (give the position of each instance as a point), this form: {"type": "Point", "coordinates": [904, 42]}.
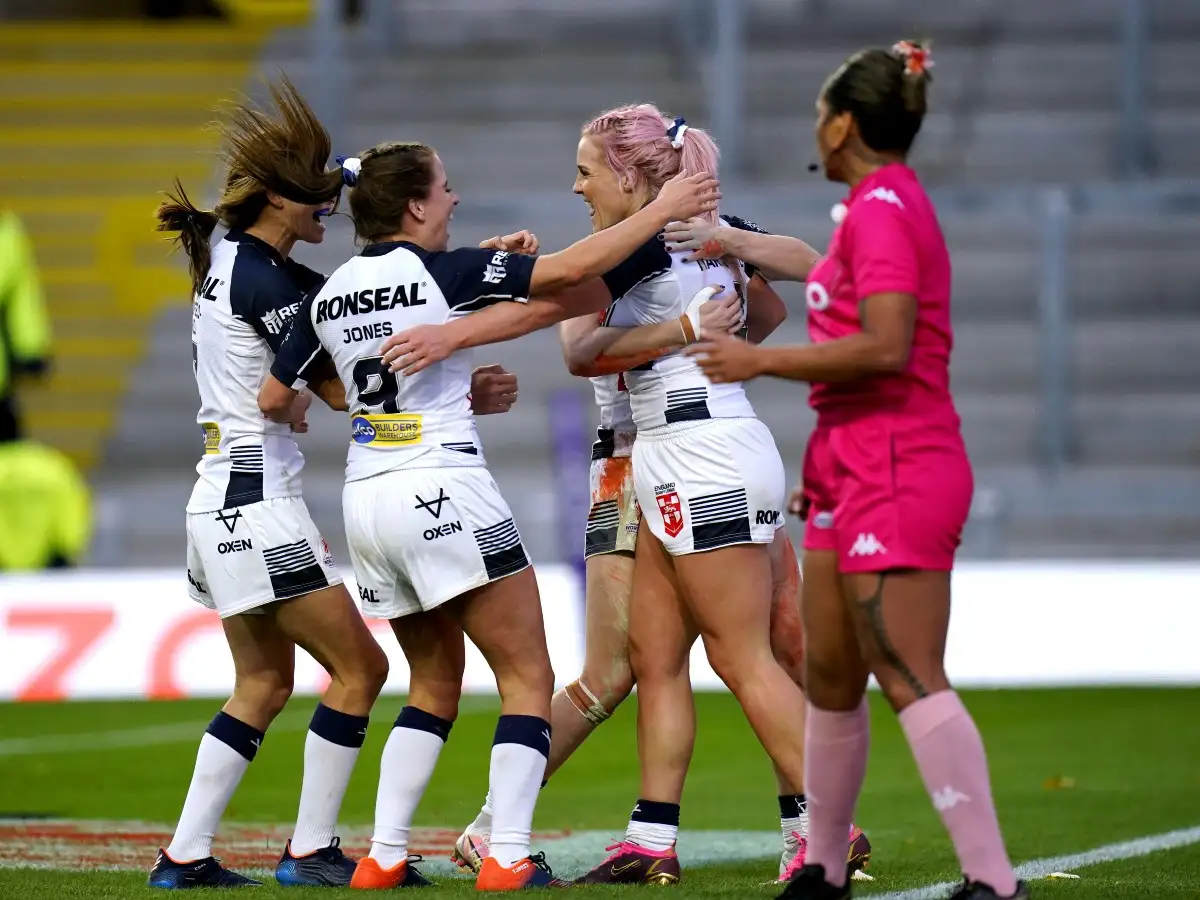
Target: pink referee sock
{"type": "Point", "coordinates": [950, 755]}
{"type": "Point", "coordinates": [835, 766]}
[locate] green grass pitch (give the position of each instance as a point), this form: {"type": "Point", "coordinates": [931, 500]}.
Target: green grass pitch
{"type": "Point", "coordinates": [1072, 770]}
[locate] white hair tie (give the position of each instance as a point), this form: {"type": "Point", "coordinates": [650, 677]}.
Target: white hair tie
{"type": "Point", "coordinates": [351, 166]}
{"type": "Point", "coordinates": [676, 132]}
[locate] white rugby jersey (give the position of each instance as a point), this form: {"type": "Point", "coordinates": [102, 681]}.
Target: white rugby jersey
{"type": "Point", "coordinates": [239, 317]}
{"type": "Point", "coordinates": [422, 421]}
{"type": "Point", "coordinates": [617, 432]}
{"type": "Point", "coordinates": [656, 286]}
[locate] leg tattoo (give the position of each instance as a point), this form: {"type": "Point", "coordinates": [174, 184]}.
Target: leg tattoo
{"type": "Point", "coordinates": [871, 610]}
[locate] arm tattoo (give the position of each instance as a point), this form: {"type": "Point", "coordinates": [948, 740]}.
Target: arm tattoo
{"type": "Point", "coordinates": [871, 611]}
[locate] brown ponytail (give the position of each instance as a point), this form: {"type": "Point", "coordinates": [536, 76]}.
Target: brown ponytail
{"type": "Point", "coordinates": [284, 150]}
{"type": "Point", "coordinates": [193, 227]}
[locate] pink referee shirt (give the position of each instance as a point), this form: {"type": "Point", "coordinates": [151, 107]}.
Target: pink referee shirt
{"type": "Point", "coordinates": [889, 242]}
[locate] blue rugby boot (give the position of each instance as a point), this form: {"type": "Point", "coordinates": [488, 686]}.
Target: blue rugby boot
{"type": "Point", "coordinates": [199, 873]}
{"type": "Point", "coordinates": [327, 867]}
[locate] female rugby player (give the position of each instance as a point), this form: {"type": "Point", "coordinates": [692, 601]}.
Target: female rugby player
{"type": "Point", "coordinates": [253, 552]}
{"type": "Point", "coordinates": [432, 542]}
{"type": "Point", "coordinates": [886, 476]}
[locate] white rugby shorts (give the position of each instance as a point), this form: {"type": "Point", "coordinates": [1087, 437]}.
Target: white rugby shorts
{"type": "Point", "coordinates": [709, 484]}
{"type": "Point", "coordinates": [421, 537]}
{"type": "Point", "coordinates": [612, 524]}
{"type": "Point", "coordinates": [243, 558]}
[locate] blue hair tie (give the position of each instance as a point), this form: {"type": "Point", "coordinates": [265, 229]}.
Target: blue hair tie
{"type": "Point", "coordinates": [351, 166]}
{"type": "Point", "coordinates": [676, 132]}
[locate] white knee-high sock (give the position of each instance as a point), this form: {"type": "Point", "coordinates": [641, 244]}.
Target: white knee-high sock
{"type": "Point", "coordinates": [519, 753]}
{"type": "Point", "coordinates": [226, 749]}
{"type": "Point", "coordinates": [409, 759]}
{"type": "Point", "coordinates": [330, 751]}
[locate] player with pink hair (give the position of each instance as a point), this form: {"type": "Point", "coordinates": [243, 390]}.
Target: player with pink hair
{"type": "Point", "coordinates": [707, 520]}
{"type": "Point", "coordinates": [623, 159]}
{"type": "Point", "coordinates": [886, 477]}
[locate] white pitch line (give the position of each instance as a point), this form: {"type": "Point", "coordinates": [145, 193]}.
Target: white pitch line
{"type": "Point", "coordinates": [1040, 868]}
{"type": "Point", "coordinates": [147, 736]}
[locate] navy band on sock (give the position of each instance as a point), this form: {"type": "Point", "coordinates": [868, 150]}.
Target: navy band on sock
{"type": "Point", "coordinates": [655, 813]}
{"type": "Point", "coordinates": [791, 806]}
{"type": "Point", "coordinates": [245, 739]}
{"type": "Point", "coordinates": [419, 720]}
{"type": "Point", "coordinates": [338, 727]}
{"type": "Point", "coordinates": [532, 731]}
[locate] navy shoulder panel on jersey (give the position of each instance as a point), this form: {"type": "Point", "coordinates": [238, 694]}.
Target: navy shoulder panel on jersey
{"type": "Point", "coordinates": [301, 351]}
{"type": "Point", "coordinates": [306, 279]}
{"type": "Point", "coordinates": [745, 225]}
{"type": "Point", "coordinates": [471, 278]}
{"type": "Point", "coordinates": [647, 261]}
{"type": "Point", "coordinates": [264, 290]}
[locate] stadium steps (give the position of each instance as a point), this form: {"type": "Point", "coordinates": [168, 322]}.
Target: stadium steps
{"type": "Point", "coordinates": [268, 13]}
{"type": "Point", "coordinates": [95, 121]}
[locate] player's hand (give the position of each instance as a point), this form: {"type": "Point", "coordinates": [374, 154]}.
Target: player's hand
{"type": "Point", "coordinates": [493, 390]}
{"type": "Point", "coordinates": [723, 316]}
{"type": "Point", "coordinates": [725, 359]}
{"type": "Point", "coordinates": [524, 242]}
{"type": "Point", "coordinates": [704, 239]}
{"type": "Point", "coordinates": [300, 405]}
{"type": "Point", "coordinates": [417, 348]}
{"type": "Point", "coordinates": [797, 505]}
{"type": "Point", "coordinates": [685, 196]}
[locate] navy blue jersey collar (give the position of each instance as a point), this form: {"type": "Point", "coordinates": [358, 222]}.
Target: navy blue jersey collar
{"type": "Point", "coordinates": [385, 247]}
{"type": "Point", "coordinates": [242, 237]}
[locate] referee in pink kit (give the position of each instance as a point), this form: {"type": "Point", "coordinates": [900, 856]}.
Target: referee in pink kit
{"type": "Point", "coordinates": [886, 480]}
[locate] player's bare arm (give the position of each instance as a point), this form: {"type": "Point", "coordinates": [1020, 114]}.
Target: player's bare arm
{"type": "Point", "coordinates": [604, 350]}
{"type": "Point", "coordinates": [881, 347]}
{"type": "Point", "coordinates": [780, 257]}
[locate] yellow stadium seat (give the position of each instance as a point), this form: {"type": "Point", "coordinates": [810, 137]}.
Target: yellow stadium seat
{"type": "Point", "coordinates": [95, 121]}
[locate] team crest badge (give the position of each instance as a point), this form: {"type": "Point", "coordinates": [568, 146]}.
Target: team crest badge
{"type": "Point", "coordinates": [671, 509]}
{"type": "Point", "coordinates": [327, 553]}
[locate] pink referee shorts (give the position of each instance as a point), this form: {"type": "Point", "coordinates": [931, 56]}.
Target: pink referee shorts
{"type": "Point", "coordinates": [887, 494]}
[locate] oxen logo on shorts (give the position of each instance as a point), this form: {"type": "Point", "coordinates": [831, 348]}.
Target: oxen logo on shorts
{"type": "Point", "coordinates": [670, 507]}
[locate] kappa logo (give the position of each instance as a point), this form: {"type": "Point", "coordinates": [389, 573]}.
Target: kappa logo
{"type": "Point", "coordinates": [887, 195]}
{"type": "Point", "coordinates": [948, 798]}
{"type": "Point", "coordinates": [867, 545]}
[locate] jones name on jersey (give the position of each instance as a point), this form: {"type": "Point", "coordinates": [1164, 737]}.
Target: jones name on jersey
{"type": "Point", "coordinates": [420, 421]}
